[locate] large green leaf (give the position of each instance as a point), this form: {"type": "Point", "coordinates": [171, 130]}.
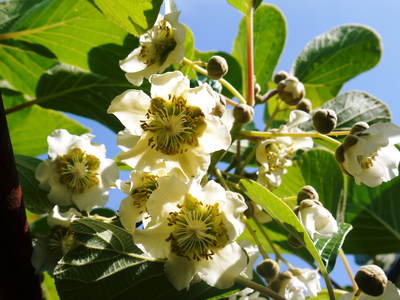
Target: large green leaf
{"type": "Point", "coordinates": [86, 94]}
{"type": "Point", "coordinates": [353, 107]}
{"type": "Point", "coordinates": [30, 127]}
{"type": "Point", "coordinates": [328, 248]}
{"type": "Point", "coordinates": [76, 33]}
{"type": "Point", "coordinates": [334, 57]}
{"type": "Point", "coordinates": [243, 5]}
{"type": "Point", "coordinates": [284, 215]}
{"type": "Point", "coordinates": [134, 16]}
{"type": "Point", "coordinates": [374, 214]}
{"type": "Point", "coordinates": [318, 168]}
{"type": "Point", "coordinates": [35, 199]}
{"type": "Point", "coordinates": [269, 40]}
{"type": "Point", "coordinates": [234, 71]}
{"type": "Point", "coordinates": [108, 265]}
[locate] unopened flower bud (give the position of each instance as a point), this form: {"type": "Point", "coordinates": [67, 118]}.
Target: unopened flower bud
{"type": "Point", "coordinates": [217, 67]}
{"type": "Point", "coordinates": [294, 242]}
{"type": "Point", "coordinates": [257, 89]}
{"type": "Point", "coordinates": [307, 192]}
{"type": "Point", "coordinates": [243, 113]}
{"type": "Point", "coordinates": [219, 109]}
{"type": "Point", "coordinates": [269, 269]}
{"type": "Point", "coordinates": [305, 105]}
{"type": "Point", "coordinates": [371, 280]}
{"type": "Point", "coordinates": [281, 75]}
{"type": "Point", "coordinates": [359, 127]}
{"type": "Point", "coordinates": [291, 90]}
{"type": "Point", "coordinates": [277, 283]}
{"type": "Point", "coordinates": [324, 120]}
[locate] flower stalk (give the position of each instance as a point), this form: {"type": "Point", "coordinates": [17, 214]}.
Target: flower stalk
{"type": "Point", "coordinates": [258, 287]}
{"type": "Point", "coordinates": [250, 53]}
{"type": "Point", "coordinates": [348, 270]}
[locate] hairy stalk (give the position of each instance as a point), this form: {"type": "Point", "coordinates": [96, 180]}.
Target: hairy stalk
{"type": "Point", "coordinates": [258, 287]}
{"type": "Point", "coordinates": [348, 269]}
{"type": "Point", "coordinates": [225, 83]}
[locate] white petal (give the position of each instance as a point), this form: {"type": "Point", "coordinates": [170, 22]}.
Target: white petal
{"type": "Point", "coordinates": [233, 209]}
{"type": "Point", "coordinates": [126, 140]}
{"type": "Point", "coordinates": [170, 83]}
{"type": "Point", "coordinates": [44, 171]}
{"type": "Point", "coordinates": [203, 97]}
{"type": "Point", "coordinates": [297, 117]}
{"type": "Point", "coordinates": [225, 265]}
{"type": "Point", "coordinates": [59, 142]}
{"type": "Point", "coordinates": [133, 62]}
{"type": "Point", "coordinates": [153, 239]}
{"type": "Point", "coordinates": [311, 279]}
{"type": "Point", "coordinates": [59, 193]}
{"type": "Point", "coordinates": [215, 137]}
{"type": "Point", "coordinates": [109, 172]}
{"type": "Point", "coordinates": [180, 271]}
{"type": "Point", "coordinates": [130, 108]}
{"type": "Point", "coordinates": [92, 197]}
{"type": "Point", "coordinates": [129, 214]}
{"type": "Point", "coordinates": [64, 219]}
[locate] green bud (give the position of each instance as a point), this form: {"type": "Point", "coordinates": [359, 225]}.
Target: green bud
{"type": "Point", "coordinates": [291, 90]}
{"type": "Point", "coordinates": [359, 127]}
{"type": "Point", "coordinates": [307, 192]}
{"type": "Point", "coordinates": [217, 67]}
{"type": "Point", "coordinates": [305, 105]}
{"type": "Point", "coordinates": [281, 75]}
{"type": "Point", "coordinates": [243, 113]}
{"type": "Point", "coordinates": [324, 120]}
{"type": "Point", "coordinates": [269, 269]}
{"type": "Point", "coordinates": [371, 280]}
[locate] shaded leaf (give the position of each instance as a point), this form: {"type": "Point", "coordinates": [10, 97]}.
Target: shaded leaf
{"type": "Point", "coordinates": [269, 40]}
{"type": "Point", "coordinates": [334, 57]}
{"type": "Point", "coordinates": [136, 17]}
{"type": "Point", "coordinates": [35, 199]}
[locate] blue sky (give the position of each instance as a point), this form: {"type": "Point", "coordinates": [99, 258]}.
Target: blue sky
{"type": "Point", "coordinates": [214, 24]}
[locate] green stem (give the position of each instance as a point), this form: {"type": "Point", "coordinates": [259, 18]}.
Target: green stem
{"type": "Point", "coordinates": [257, 241]}
{"type": "Point", "coordinates": [220, 178]}
{"type": "Point", "coordinates": [225, 83]}
{"type": "Point", "coordinates": [258, 287]}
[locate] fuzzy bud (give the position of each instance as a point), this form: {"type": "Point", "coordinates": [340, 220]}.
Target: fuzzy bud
{"type": "Point", "coordinates": [307, 192]}
{"type": "Point", "coordinates": [243, 113]}
{"type": "Point", "coordinates": [291, 90]}
{"type": "Point", "coordinates": [305, 105]}
{"type": "Point", "coordinates": [219, 109]}
{"type": "Point", "coordinates": [349, 141]}
{"type": "Point", "coordinates": [269, 269]}
{"type": "Point", "coordinates": [217, 67]}
{"type": "Point", "coordinates": [324, 120]}
{"type": "Point", "coordinates": [339, 154]}
{"type": "Point", "coordinates": [281, 75]}
{"type": "Point", "coordinates": [359, 127]}
{"type": "Point", "coordinates": [277, 283]}
{"type": "Point", "coordinates": [371, 280]}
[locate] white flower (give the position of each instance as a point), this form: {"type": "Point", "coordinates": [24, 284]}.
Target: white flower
{"type": "Point", "coordinates": [293, 285]}
{"type": "Point", "coordinates": [246, 294]}
{"type": "Point", "coordinates": [311, 280]}
{"type": "Point", "coordinates": [252, 254]}
{"type": "Point", "coordinates": [373, 158]}
{"type": "Point", "coordinates": [160, 47]}
{"type": "Point", "coordinates": [64, 219]}
{"type": "Point", "coordinates": [391, 293]}
{"type": "Point", "coordinates": [317, 220]}
{"type": "Point", "coordinates": [293, 289]}
{"type": "Point", "coordinates": [194, 228]}
{"type": "Point", "coordinates": [77, 171]}
{"type": "Point", "coordinates": [274, 154]}
{"type": "Point", "coordinates": [175, 125]}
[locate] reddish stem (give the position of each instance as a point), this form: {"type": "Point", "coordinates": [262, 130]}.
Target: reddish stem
{"type": "Point", "coordinates": [18, 279]}
{"type": "Point", "coordinates": [250, 56]}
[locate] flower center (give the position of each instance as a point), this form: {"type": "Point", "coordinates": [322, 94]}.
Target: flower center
{"type": "Point", "coordinates": [78, 170]}
{"type": "Point", "coordinates": [141, 193]}
{"type": "Point", "coordinates": [198, 230]}
{"type": "Point", "coordinates": [367, 162]}
{"type": "Point", "coordinates": [158, 43]}
{"type": "Point", "coordinates": [175, 126]}
{"type": "Point", "coordinates": [276, 155]}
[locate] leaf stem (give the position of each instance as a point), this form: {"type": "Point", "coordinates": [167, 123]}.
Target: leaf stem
{"type": "Point", "coordinates": [256, 240]}
{"type": "Point", "coordinates": [258, 287]}
{"type": "Point", "coordinates": [225, 83]}
{"type": "Point", "coordinates": [348, 270]}
{"type": "Point", "coordinates": [250, 54]}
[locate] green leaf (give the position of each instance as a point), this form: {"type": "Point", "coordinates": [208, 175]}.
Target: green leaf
{"type": "Point", "coordinates": [318, 168]}
{"type": "Point", "coordinates": [107, 265]}
{"type": "Point", "coordinates": [234, 71]}
{"type": "Point", "coordinates": [243, 5]}
{"type": "Point", "coordinates": [136, 17]}
{"type": "Point", "coordinates": [328, 248]}
{"type": "Point", "coordinates": [323, 295]}
{"type": "Point", "coordinates": [49, 288]}
{"type": "Point", "coordinates": [30, 126]}
{"type": "Point", "coordinates": [21, 66]}
{"type": "Point", "coordinates": [35, 199]}
{"type": "Point", "coordinates": [269, 40]}
{"type": "Point", "coordinates": [284, 215]}
{"type": "Point", "coordinates": [86, 94]}
{"type": "Point", "coordinates": [353, 107]}
{"type": "Point", "coordinates": [335, 57]}
{"type": "Point", "coordinates": [374, 214]}
{"type": "Point", "coordinates": [76, 33]}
